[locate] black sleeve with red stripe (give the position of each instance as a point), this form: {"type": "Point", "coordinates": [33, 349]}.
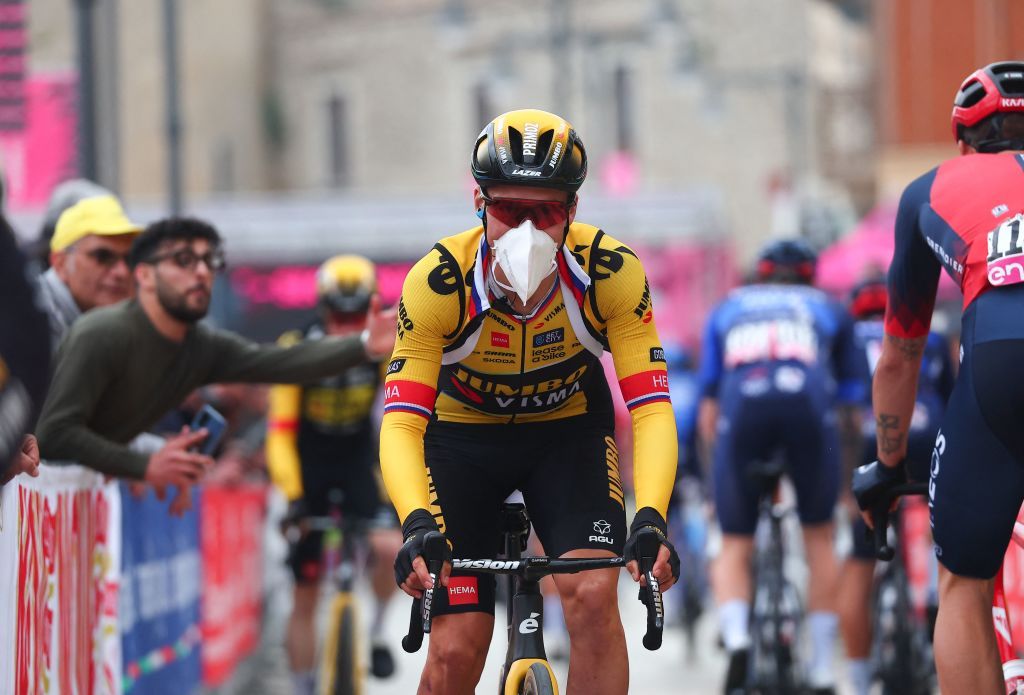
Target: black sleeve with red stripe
{"type": "Point", "coordinates": [914, 273]}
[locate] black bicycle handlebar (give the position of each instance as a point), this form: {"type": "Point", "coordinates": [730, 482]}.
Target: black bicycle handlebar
{"type": "Point", "coordinates": [880, 514]}
{"type": "Point", "coordinates": [534, 569]}
{"type": "Point", "coordinates": [434, 551]}
{"type": "Point", "coordinates": [412, 642]}
{"type": "Point", "coordinates": [647, 546]}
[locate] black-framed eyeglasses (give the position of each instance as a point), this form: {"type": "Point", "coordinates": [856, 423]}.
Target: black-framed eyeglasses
{"type": "Point", "coordinates": [106, 258]}
{"type": "Point", "coordinates": [187, 259]}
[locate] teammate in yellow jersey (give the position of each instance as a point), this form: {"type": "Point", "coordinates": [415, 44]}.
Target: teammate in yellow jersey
{"type": "Point", "coordinates": [495, 385]}
{"type": "Point", "coordinates": [321, 450]}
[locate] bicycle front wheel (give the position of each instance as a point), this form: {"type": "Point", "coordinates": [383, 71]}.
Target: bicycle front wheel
{"type": "Point", "coordinates": [537, 681]}
{"type": "Point", "coordinates": [341, 673]}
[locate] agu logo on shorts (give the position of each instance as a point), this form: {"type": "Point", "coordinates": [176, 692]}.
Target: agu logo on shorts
{"type": "Point", "coordinates": [602, 528]}
{"type": "Point", "coordinates": [462, 591]}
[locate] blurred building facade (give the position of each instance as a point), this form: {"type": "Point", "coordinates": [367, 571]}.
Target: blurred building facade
{"type": "Point", "coordinates": [751, 118]}
{"type": "Point", "coordinates": [925, 49]}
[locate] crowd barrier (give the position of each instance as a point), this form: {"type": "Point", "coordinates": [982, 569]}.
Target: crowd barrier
{"type": "Point", "coordinates": [103, 593]}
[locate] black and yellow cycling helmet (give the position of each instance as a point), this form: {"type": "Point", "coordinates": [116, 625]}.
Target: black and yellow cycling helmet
{"type": "Point", "coordinates": [344, 284]}
{"type": "Point", "coordinates": [529, 147]}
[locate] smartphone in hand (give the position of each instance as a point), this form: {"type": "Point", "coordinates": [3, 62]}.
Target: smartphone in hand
{"type": "Point", "coordinates": [215, 425]}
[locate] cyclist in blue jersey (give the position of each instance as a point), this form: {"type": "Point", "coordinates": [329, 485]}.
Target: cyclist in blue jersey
{"type": "Point", "coordinates": [867, 305]}
{"type": "Point", "coordinates": [778, 355]}
{"type": "Point", "coordinates": [965, 216]}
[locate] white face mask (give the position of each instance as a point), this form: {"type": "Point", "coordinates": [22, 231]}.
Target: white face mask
{"type": "Point", "coordinates": [527, 255]}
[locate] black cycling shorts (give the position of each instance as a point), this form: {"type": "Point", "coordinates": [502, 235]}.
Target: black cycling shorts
{"type": "Point", "coordinates": [977, 466]}
{"type": "Point", "coordinates": [353, 471]}
{"type": "Point", "coordinates": [755, 430]}
{"type": "Point", "coordinates": [567, 471]}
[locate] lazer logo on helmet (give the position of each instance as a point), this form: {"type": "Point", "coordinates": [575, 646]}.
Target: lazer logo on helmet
{"type": "Point", "coordinates": [530, 131]}
{"type": "Point", "coordinates": [525, 172]}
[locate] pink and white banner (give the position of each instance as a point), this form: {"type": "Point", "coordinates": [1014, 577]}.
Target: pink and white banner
{"type": "Point", "coordinates": [59, 569]}
{"type": "Point", "coordinates": [40, 155]}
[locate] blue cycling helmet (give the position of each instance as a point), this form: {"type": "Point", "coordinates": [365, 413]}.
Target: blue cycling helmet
{"type": "Point", "coordinates": [787, 260]}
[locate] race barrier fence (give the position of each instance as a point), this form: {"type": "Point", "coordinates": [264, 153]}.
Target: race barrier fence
{"type": "Point", "coordinates": [103, 593]}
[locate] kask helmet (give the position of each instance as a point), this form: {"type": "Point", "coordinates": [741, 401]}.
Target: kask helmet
{"type": "Point", "coordinates": [787, 260]}
{"type": "Point", "coordinates": [344, 284]}
{"type": "Point", "coordinates": [868, 298]}
{"type": "Point", "coordinates": [995, 88]}
{"type": "Point", "coordinates": [529, 147]}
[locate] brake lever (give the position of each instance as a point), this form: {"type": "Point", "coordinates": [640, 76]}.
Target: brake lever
{"type": "Point", "coordinates": [647, 546]}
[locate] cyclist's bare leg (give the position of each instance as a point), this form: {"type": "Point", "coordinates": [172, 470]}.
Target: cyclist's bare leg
{"type": "Point", "coordinates": [966, 656]}
{"type": "Point", "coordinates": [819, 546]}
{"type": "Point", "coordinates": [456, 654]}
{"type": "Point", "coordinates": [597, 643]}
{"type": "Point", "coordinates": [556, 639]}
{"type": "Point", "coordinates": [822, 621]}
{"type": "Point", "coordinates": [301, 639]}
{"type": "Point", "coordinates": [854, 606]}
{"type": "Point", "coordinates": [731, 586]}
{"type": "Point", "coordinates": [730, 572]}
{"type": "Point", "coordinates": [384, 545]}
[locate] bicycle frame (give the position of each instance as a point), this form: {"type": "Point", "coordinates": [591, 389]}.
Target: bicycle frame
{"type": "Point", "coordinates": [1013, 667]}
{"type": "Point", "coordinates": [525, 611]}
{"type": "Point", "coordinates": [772, 665]}
{"type": "Point", "coordinates": [341, 558]}
{"type": "Point", "coordinates": [899, 646]}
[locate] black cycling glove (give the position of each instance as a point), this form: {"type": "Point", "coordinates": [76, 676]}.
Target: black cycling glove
{"type": "Point", "coordinates": [645, 518]}
{"type": "Point", "coordinates": [418, 524]}
{"type": "Point", "coordinates": [871, 481]}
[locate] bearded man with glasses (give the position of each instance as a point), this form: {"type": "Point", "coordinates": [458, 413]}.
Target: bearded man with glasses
{"type": "Point", "coordinates": [121, 368]}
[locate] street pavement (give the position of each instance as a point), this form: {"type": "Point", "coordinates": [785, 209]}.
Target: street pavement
{"type": "Point", "coordinates": [670, 670]}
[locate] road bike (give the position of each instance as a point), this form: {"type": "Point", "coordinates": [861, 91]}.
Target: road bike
{"type": "Point", "coordinates": [775, 610]}
{"type": "Point", "coordinates": [526, 670]}
{"type": "Point", "coordinates": [341, 669]}
{"type": "Point", "coordinates": [688, 529]}
{"type": "Point", "coordinates": [1013, 666]}
{"type": "Point", "coordinates": [901, 648]}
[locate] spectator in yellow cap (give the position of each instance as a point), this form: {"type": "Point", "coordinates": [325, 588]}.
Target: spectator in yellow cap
{"type": "Point", "coordinates": [89, 261]}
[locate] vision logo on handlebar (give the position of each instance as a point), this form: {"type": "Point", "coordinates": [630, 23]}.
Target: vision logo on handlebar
{"type": "Point", "coordinates": [486, 564]}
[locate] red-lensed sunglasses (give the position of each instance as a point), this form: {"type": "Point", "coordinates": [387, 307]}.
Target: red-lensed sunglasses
{"type": "Point", "coordinates": [513, 211]}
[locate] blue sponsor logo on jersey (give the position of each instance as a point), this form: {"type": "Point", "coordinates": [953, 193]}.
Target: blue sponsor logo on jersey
{"type": "Point", "coordinates": [549, 337]}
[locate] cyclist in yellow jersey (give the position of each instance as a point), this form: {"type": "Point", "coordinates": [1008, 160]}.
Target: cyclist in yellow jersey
{"type": "Point", "coordinates": [495, 385]}
{"type": "Point", "coordinates": [321, 441]}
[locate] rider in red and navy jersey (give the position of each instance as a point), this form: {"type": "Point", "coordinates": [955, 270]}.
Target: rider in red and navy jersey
{"type": "Point", "coordinates": [965, 216]}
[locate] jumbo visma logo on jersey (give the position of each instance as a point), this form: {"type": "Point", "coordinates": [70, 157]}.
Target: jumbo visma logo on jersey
{"type": "Point", "coordinates": [536, 391]}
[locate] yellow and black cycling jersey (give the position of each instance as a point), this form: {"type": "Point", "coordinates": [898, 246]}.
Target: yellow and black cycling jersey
{"type": "Point", "coordinates": [310, 424]}
{"type": "Point", "coordinates": [463, 356]}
